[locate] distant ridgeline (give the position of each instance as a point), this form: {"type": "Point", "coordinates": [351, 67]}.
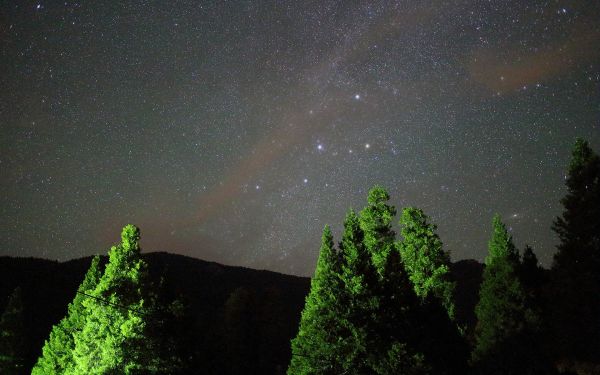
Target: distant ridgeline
{"type": "Point", "coordinates": [378, 303]}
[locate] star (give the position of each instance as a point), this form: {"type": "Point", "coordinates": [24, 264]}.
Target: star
{"type": "Point", "coordinates": [246, 118]}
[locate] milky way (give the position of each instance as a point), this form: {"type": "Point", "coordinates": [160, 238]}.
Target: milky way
{"type": "Point", "coordinates": [233, 131]}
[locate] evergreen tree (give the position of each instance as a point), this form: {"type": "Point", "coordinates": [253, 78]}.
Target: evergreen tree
{"type": "Point", "coordinates": [531, 274]}
{"type": "Point", "coordinates": [316, 348]}
{"type": "Point", "coordinates": [112, 339]}
{"type": "Point", "coordinates": [535, 339]}
{"type": "Point", "coordinates": [427, 264]}
{"type": "Point", "coordinates": [579, 226]}
{"type": "Point", "coordinates": [359, 298]}
{"type": "Point", "coordinates": [504, 318]}
{"type": "Point", "coordinates": [362, 315]}
{"type": "Point", "coordinates": [376, 223]}
{"type": "Point", "coordinates": [57, 353]}
{"type": "Point", "coordinates": [396, 345]}
{"type": "Point", "coordinates": [12, 336]}
{"type": "Point", "coordinates": [576, 280]}
{"type": "Point", "coordinates": [395, 329]}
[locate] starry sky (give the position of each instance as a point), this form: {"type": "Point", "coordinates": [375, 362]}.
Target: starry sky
{"type": "Point", "coordinates": [233, 131]}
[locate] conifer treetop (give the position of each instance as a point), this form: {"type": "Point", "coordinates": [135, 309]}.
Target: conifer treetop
{"type": "Point", "coordinates": [377, 194]}
{"type": "Point", "coordinates": [130, 238]}
{"type": "Point", "coordinates": [377, 202]}
{"type": "Point", "coordinates": [501, 244]}
{"type": "Point", "coordinates": [426, 262]}
{"type": "Point", "coordinates": [581, 154]}
{"type": "Point", "coordinates": [376, 223]}
{"type": "Point", "coordinates": [327, 248]}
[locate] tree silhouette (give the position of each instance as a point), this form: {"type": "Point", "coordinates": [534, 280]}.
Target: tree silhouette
{"type": "Point", "coordinates": [576, 312]}
{"type": "Point", "coordinates": [505, 321]}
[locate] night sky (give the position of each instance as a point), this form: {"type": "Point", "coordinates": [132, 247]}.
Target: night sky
{"type": "Point", "coordinates": [233, 131]}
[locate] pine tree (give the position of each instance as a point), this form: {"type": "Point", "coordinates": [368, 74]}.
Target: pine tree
{"type": "Point", "coordinates": [531, 273]}
{"type": "Point", "coordinates": [57, 353]}
{"type": "Point", "coordinates": [362, 315]}
{"type": "Point", "coordinates": [535, 340]}
{"type": "Point", "coordinates": [359, 298]}
{"type": "Point", "coordinates": [316, 348]}
{"type": "Point", "coordinates": [396, 346]}
{"type": "Point", "coordinates": [504, 319]}
{"type": "Point", "coordinates": [12, 336]}
{"type": "Point", "coordinates": [576, 279]}
{"type": "Point", "coordinates": [113, 336]}
{"type": "Point", "coordinates": [579, 226]}
{"type": "Point", "coordinates": [376, 223]}
{"type": "Point", "coordinates": [427, 264]}
{"type": "Point", "coordinates": [393, 336]}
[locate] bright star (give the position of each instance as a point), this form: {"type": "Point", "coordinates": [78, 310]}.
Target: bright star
{"type": "Point", "coordinates": [357, 96]}
{"type": "Point", "coordinates": [367, 146]}
{"type": "Point", "coordinates": [305, 180]}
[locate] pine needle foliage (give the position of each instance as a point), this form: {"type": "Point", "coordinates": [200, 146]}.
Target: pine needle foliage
{"type": "Point", "coordinates": [112, 340]}
{"type": "Point", "coordinates": [427, 264]}
{"type": "Point", "coordinates": [376, 223]}
{"type": "Point", "coordinates": [316, 348]}
{"type": "Point", "coordinates": [503, 314]}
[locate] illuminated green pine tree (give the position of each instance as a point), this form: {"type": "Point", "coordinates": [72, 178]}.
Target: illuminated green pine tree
{"type": "Point", "coordinates": [376, 223]}
{"type": "Point", "coordinates": [359, 297]}
{"type": "Point", "coordinates": [316, 348]}
{"type": "Point", "coordinates": [504, 318]}
{"type": "Point", "coordinates": [12, 336]}
{"type": "Point", "coordinates": [57, 353]}
{"type": "Point", "coordinates": [394, 326]}
{"type": "Point", "coordinates": [427, 264]}
{"type": "Point", "coordinates": [112, 340]}
{"type": "Point", "coordinates": [398, 327]}
{"type": "Point", "coordinates": [428, 268]}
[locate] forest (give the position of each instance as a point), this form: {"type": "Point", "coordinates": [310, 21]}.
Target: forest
{"type": "Point", "coordinates": [379, 302]}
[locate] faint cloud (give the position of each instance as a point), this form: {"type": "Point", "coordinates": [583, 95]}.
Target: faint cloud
{"type": "Point", "coordinates": [505, 69]}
